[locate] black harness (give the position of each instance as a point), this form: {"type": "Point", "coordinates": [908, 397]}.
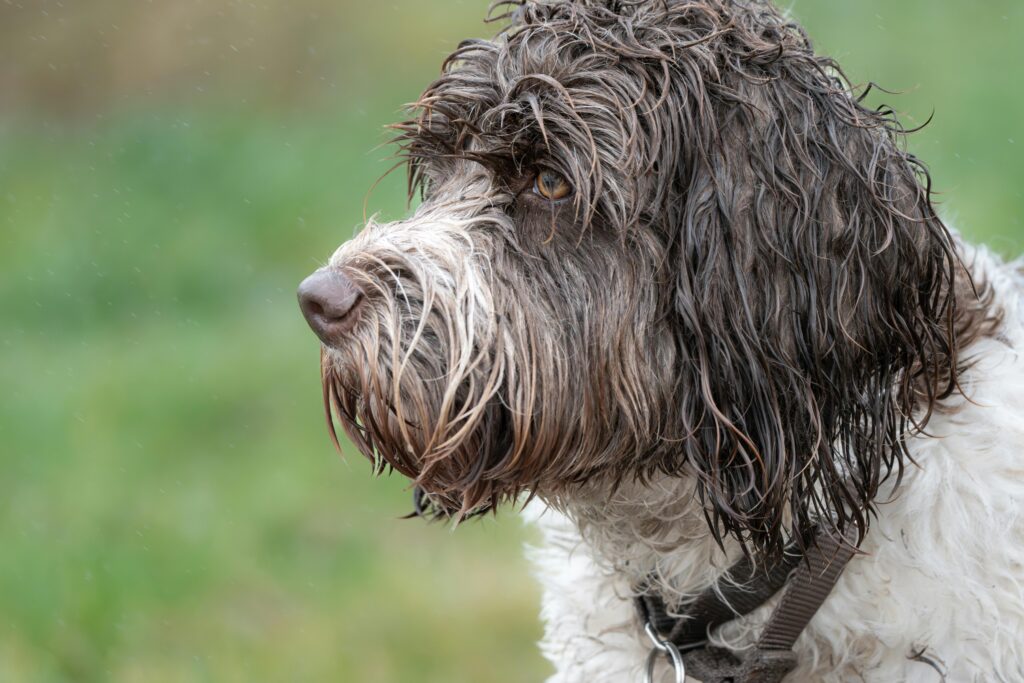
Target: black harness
{"type": "Point", "coordinates": [806, 580]}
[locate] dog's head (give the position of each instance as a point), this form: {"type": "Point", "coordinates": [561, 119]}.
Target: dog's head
{"type": "Point", "coordinates": [655, 236]}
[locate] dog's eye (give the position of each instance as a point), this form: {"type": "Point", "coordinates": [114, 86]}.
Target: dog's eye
{"type": "Point", "coordinates": [552, 186]}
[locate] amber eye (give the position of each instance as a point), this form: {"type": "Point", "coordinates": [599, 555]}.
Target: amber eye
{"type": "Point", "coordinates": [552, 186]}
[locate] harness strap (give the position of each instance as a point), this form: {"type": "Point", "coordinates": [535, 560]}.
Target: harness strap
{"type": "Point", "coordinates": [807, 591]}
{"type": "Point", "coordinates": [741, 590]}
{"type": "Point", "coordinates": [808, 579]}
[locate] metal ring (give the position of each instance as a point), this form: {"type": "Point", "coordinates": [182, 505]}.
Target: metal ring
{"type": "Point", "coordinates": [659, 644]}
{"type": "Point", "coordinates": [671, 653]}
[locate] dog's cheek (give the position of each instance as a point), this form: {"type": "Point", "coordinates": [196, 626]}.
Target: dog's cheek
{"type": "Point", "coordinates": [586, 331]}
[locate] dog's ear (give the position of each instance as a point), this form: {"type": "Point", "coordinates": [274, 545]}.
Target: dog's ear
{"type": "Point", "coordinates": [813, 292]}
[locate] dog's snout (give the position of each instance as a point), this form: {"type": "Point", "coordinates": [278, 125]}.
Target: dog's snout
{"type": "Point", "coordinates": [329, 300]}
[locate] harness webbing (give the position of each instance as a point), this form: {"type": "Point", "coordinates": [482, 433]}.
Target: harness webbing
{"type": "Point", "coordinates": [806, 580]}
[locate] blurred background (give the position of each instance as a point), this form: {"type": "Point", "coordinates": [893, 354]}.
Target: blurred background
{"type": "Point", "coordinates": [170, 506]}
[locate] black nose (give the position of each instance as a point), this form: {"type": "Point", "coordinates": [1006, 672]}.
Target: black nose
{"type": "Point", "coordinates": [329, 301]}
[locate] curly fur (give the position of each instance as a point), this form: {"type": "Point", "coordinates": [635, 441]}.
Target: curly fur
{"type": "Point", "coordinates": [936, 593]}
{"type": "Point", "coordinates": [746, 320]}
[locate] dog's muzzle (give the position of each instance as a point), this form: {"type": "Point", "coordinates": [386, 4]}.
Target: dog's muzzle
{"type": "Point", "coordinates": [330, 301]}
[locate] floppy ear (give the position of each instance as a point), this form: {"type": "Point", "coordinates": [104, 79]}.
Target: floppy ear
{"type": "Point", "coordinates": [814, 293]}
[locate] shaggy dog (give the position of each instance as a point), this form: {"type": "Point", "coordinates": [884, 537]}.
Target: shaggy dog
{"type": "Point", "coordinates": [672, 282]}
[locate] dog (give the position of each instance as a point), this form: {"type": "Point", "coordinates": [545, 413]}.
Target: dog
{"type": "Point", "coordinates": [678, 293]}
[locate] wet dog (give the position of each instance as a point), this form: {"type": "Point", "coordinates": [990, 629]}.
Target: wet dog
{"type": "Point", "coordinates": [673, 281]}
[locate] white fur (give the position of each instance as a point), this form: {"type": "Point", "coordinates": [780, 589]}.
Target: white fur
{"type": "Point", "coordinates": [941, 574]}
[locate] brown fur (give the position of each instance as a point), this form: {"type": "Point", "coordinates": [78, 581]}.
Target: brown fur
{"type": "Point", "coordinates": [749, 286]}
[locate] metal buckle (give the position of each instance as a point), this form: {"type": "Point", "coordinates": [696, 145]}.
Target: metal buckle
{"type": "Point", "coordinates": [671, 652]}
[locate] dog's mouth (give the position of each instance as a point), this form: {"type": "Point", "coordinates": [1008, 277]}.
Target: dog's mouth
{"type": "Point", "coordinates": [436, 508]}
{"type": "Point", "coordinates": [455, 476]}
{"type": "Point", "coordinates": [417, 389]}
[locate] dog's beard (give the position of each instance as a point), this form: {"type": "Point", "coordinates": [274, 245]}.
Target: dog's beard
{"type": "Point", "coordinates": [420, 386]}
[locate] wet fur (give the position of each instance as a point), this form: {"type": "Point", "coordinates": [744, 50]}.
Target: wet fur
{"type": "Point", "coordinates": [936, 594]}
{"type": "Point", "coordinates": [749, 301]}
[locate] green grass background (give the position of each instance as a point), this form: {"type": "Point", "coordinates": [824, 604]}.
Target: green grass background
{"type": "Point", "coordinates": [170, 506]}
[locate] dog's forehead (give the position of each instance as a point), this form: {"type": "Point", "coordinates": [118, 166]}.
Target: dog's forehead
{"type": "Point", "coordinates": [549, 78]}
{"type": "Point", "coordinates": [592, 55]}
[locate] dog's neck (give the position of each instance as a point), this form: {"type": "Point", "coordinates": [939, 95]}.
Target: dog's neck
{"type": "Point", "coordinates": [655, 530]}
